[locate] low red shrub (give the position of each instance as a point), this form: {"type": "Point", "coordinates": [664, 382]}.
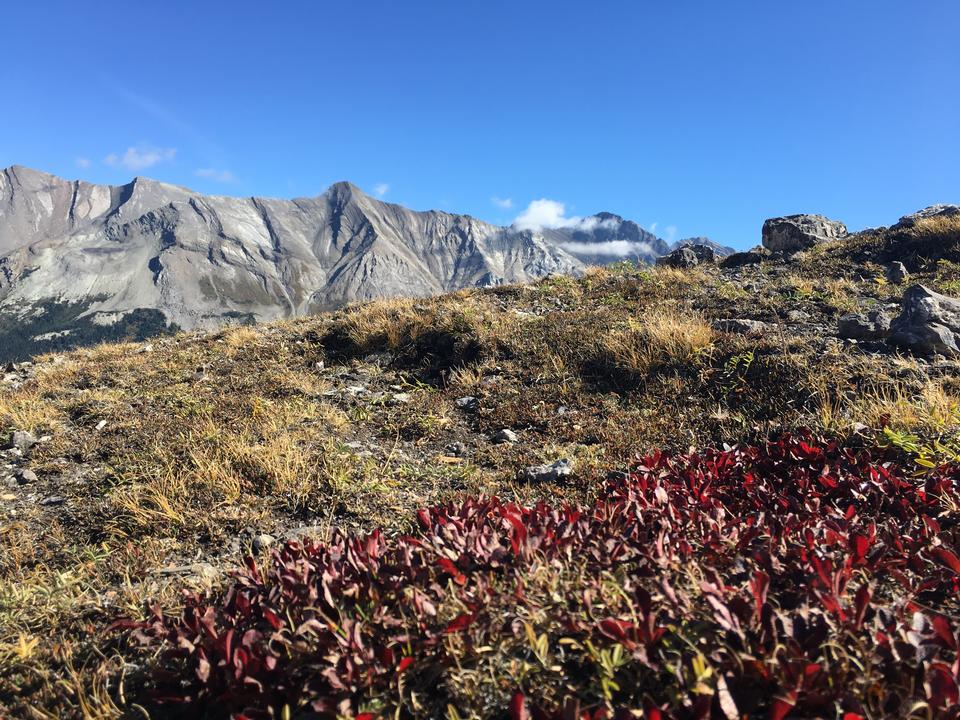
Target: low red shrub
{"type": "Point", "coordinates": [799, 578]}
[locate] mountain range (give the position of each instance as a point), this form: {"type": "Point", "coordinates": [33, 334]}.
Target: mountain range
{"type": "Point", "coordinates": [81, 262]}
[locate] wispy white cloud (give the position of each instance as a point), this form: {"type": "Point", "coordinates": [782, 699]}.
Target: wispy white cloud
{"type": "Point", "coordinates": [653, 227]}
{"type": "Point", "coordinates": [505, 203]}
{"type": "Point", "coordinates": [221, 176]}
{"type": "Point", "coordinates": [381, 189]}
{"type": "Point", "coordinates": [551, 214]}
{"type": "Point", "coordinates": [140, 157]}
{"type": "Point", "coordinates": [669, 233]}
{"type": "Point", "coordinates": [542, 214]}
{"type": "Point", "coordinates": [612, 248]}
{"type": "Point", "coordinates": [82, 162]}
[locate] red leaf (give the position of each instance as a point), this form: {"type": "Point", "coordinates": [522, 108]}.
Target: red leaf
{"type": "Point", "coordinates": [460, 622]}
{"type": "Point", "coordinates": [423, 516]}
{"type": "Point", "coordinates": [859, 544]}
{"type": "Point", "coordinates": [518, 707]}
{"type": "Point", "coordinates": [947, 558]}
{"type": "Point", "coordinates": [404, 664]}
{"type": "Point", "coordinates": [781, 707]}
{"type": "Point", "coordinates": [650, 710]}
{"type": "Point", "coordinates": [759, 586]}
{"type": "Point", "coordinates": [941, 626]}
{"type": "Point", "coordinates": [861, 601]}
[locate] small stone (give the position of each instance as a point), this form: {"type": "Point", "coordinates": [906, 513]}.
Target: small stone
{"type": "Point", "coordinates": [24, 476]}
{"type": "Point", "coordinates": [53, 500]}
{"type": "Point", "coordinates": [400, 398]}
{"type": "Point", "coordinates": [263, 542]}
{"type": "Point", "coordinates": [456, 449]}
{"type": "Point", "coordinates": [22, 441]}
{"type": "Point", "coordinates": [506, 436]}
{"type": "Point", "coordinates": [897, 273]}
{"type": "Point", "coordinates": [100, 425]}
{"type": "Point", "coordinates": [467, 403]}
{"type": "Point", "coordinates": [202, 572]}
{"type": "Point", "coordinates": [741, 326]}
{"type": "Point", "coordinates": [550, 472]}
{"type": "Point", "coordinates": [797, 316]}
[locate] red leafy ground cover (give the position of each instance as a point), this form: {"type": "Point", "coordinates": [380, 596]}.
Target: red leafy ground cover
{"type": "Point", "coordinates": [798, 579]}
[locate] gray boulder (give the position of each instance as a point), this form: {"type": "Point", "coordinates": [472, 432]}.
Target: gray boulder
{"type": "Point", "coordinates": [688, 255]}
{"type": "Point", "coordinates": [929, 323]}
{"type": "Point", "coordinates": [874, 325]}
{"type": "Point", "coordinates": [799, 232]}
{"type": "Point", "coordinates": [945, 211]}
{"type": "Point", "coordinates": [680, 258]}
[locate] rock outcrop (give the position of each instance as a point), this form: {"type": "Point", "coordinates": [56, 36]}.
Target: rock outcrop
{"type": "Point", "coordinates": [688, 256]}
{"type": "Point", "coordinates": [928, 324]}
{"type": "Point", "coordinates": [928, 213]}
{"type": "Point", "coordinates": [798, 232]}
{"type": "Point", "coordinates": [754, 256]}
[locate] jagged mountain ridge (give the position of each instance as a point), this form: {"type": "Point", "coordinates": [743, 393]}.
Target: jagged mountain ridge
{"type": "Point", "coordinates": [77, 254]}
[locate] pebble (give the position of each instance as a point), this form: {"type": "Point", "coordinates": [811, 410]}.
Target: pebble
{"type": "Point", "coordinates": [456, 449]}
{"type": "Point", "coordinates": [506, 436]}
{"type": "Point", "coordinates": [741, 326]}
{"type": "Point", "coordinates": [24, 476]}
{"type": "Point", "coordinates": [550, 472]}
{"type": "Point", "coordinates": [467, 403]}
{"type": "Point", "coordinates": [22, 440]}
{"type": "Point", "coordinates": [263, 542]}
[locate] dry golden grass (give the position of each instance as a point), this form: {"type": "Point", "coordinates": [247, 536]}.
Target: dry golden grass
{"type": "Point", "coordinates": [664, 337]}
{"type": "Point", "coordinates": [928, 409]}
{"type": "Point", "coordinates": [941, 225]}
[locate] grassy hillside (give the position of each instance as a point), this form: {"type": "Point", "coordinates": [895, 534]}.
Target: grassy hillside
{"type": "Point", "coordinates": [161, 465]}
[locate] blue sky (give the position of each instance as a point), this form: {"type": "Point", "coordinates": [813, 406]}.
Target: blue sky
{"type": "Point", "coordinates": [702, 117]}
